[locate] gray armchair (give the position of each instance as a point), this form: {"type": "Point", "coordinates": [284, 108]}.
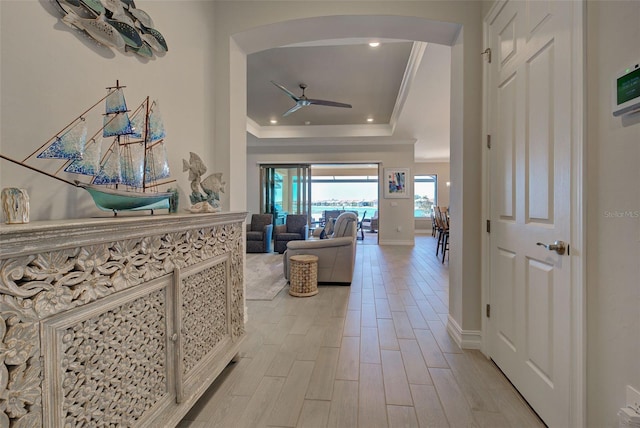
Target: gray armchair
{"type": "Point", "coordinates": [336, 254]}
{"type": "Point", "coordinates": [295, 228]}
{"type": "Point", "coordinates": [259, 233]}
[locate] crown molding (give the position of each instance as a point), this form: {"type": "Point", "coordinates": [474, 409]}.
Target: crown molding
{"type": "Point", "coordinates": [415, 58]}
{"type": "Point", "coordinates": [317, 131]}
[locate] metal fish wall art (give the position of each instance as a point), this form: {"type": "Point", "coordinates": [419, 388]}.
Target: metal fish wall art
{"type": "Point", "coordinates": [116, 24]}
{"type": "Point", "coordinates": [98, 28]}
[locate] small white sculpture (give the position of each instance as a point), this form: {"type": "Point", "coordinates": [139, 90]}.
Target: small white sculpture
{"type": "Point", "coordinates": [212, 186]}
{"type": "Point", "coordinates": [15, 205]}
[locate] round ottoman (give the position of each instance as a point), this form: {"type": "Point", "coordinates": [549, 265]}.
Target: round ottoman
{"type": "Point", "coordinates": [303, 275]}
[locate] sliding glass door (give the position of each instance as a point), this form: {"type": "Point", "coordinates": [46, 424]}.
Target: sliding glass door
{"type": "Point", "coordinates": [285, 189]}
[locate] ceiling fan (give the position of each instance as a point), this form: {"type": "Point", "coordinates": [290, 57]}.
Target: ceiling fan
{"type": "Point", "coordinates": [303, 101]}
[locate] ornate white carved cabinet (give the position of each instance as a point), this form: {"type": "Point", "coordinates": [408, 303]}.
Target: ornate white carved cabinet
{"type": "Point", "coordinates": [117, 321]}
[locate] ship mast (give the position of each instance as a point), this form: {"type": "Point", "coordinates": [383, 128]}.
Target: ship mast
{"type": "Point", "coordinates": [146, 139]}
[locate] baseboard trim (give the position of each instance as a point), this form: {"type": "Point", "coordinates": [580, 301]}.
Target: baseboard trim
{"type": "Point", "coordinates": [465, 339]}
{"type": "Point", "coordinates": [396, 242]}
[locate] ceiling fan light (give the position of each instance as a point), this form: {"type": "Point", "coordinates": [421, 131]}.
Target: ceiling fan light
{"type": "Point", "coordinates": [374, 44]}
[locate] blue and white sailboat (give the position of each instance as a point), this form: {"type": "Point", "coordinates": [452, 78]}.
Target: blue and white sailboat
{"type": "Point", "coordinates": [126, 158]}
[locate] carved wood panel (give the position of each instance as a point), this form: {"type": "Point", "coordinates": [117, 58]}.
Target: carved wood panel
{"type": "Point", "coordinates": [54, 270]}
{"type": "Point", "coordinates": [106, 363]}
{"type": "Point", "coordinates": [204, 313]}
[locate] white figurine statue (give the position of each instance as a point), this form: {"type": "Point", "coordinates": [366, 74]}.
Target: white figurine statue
{"type": "Point", "coordinates": [212, 186]}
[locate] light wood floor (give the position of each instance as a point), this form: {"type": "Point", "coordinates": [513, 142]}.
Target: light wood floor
{"type": "Point", "coordinates": [375, 354]}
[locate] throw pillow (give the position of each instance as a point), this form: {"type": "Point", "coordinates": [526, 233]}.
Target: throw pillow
{"type": "Point", "coordinates": [328, 228]}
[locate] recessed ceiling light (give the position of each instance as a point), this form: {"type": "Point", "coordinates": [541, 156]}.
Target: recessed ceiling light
{"type": "Point", "coordinates": [273, 121]}
{"type": "Point", "coordinates": [369, 119]}
{"type": "Point", "coordinates": [307, 123]}
{"type": "Point", "coordinates": [374, 44]}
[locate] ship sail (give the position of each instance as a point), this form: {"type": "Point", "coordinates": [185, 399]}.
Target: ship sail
{"type": "Point", "coordinates": [157, 164]}
{"type": "Point", "coordinates": [115, 102]}
{"type": "Point", "coordinates": [69, 145]}
{"type": "Point", "coordinates": [89, 164]}
{"type": "Point", "coordinates": [138, 123]}
{"type": "Point", "coordinates": [132, 164]}
{"type": "Point", "coordinates": [155, 126]}
{"type": "Point", "coordinates": [116, 121]}
{"type": "Point", "coordinates": [111, 172]}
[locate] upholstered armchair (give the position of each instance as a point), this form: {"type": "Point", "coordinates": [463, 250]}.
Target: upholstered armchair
{"type": "Point", "coordinates": [259, 233]}
{"type": "Point", "coordinates": [295, 228]}
{"type": "Point", "coordinates": [336, 254]}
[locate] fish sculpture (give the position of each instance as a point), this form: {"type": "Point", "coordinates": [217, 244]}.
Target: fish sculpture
{"type": "Point", "coordinates": [95, 6]}
{"type": "Point", "coordinates": [129, 34]}
{"type": "Point", "coordinates": [135, 27]}
{"type": "Point", "coordinates": [196, 169]}
{"type": "Point", "coordinates": [212, 185]}
{"type": "Point", "coordinates": [153, 43]}
{"type": "Point", "coordinates": [144, 50]}
{"type": "Point", "coordinates": [156, 34]}
{"type": "Point", "coordinates": [103, 32]}
{"type": "Point", "coordinates": [115, 7]}
{"type": "Point", "coordinates": [142, 16]}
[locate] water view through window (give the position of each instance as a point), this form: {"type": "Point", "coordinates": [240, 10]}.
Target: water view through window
{"type": "Point", "coordinates": [425, 195]}
{"type": "Point", "coordinates": [350, 193]}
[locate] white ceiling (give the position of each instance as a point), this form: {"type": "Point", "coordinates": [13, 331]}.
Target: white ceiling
{"type": "Point", "coordinates": [332, 73]}
{"type": "Point", "coordinates": [404, 86]}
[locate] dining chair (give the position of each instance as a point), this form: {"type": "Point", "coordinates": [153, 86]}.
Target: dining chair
{"type": "Point", "coordinates": [442, 222]}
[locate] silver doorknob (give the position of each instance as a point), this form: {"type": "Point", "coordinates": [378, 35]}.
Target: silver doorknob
{"type": "Point", "coordinates": [559, 246]}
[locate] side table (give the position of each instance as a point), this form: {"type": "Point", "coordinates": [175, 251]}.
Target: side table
{"type": "Point", "coordinates": [303, 276]}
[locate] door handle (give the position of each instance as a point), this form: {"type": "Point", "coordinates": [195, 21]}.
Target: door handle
{"type": "Point", "coordinates": [559, 246]}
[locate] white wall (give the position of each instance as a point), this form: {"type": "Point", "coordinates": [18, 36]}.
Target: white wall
{"type": "Point", "coordinates": [50, 73]}
{"type": "Point", "coordinates": [442, 170]}
{"type": "Point", "coordinates": [390, 217]}
{"type": "Point", "coordinates": [613, 215]}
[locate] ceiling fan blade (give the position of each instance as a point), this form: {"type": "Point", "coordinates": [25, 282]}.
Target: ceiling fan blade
{"type": "Point", "coordinates": [329, 103]}
{"type": "Point", "coordinates": [286, 91]}
{"type": "Point", "coordinates": [296, 107]}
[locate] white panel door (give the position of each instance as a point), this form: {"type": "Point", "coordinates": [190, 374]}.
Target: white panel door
{"type": "Point", "coordinates": [530, 120]}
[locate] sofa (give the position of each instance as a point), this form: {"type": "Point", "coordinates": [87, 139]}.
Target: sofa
{"type": "Point", "coordinates": [336, 254]}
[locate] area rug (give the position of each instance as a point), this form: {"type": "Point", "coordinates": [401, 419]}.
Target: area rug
{"type": "Point", "coordinates": [264, 277]}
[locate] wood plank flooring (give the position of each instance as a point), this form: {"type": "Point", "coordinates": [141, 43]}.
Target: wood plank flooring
{"type": "Point", "coordinates": [375, 354]}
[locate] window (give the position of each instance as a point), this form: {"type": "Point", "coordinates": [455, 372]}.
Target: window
{"type": "Point", "coordinates": [352, 193]}
{"type": "Point", "coordinates": [425, 190]}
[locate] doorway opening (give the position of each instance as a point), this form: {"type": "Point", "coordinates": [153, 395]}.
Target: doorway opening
{"type": "Point", "coordinates": [347, 187]}
{"type": "Point", "coordinates": [319, 189]}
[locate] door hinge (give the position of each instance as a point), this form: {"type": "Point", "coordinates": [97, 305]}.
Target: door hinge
{"type": "Point", "coordinates": [488, 226]}
{"type": "Point", "coordinates": [487, 52]}
{"type": "Point", "coordinates": [488, 311]}
{"type": "Point", "coordinates": [488, 141]}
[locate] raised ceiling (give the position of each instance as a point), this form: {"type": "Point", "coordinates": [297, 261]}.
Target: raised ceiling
{"type": "Point", "coordinates": [368, 78]}
{"type": "Point", "coordinates": [403, 86]}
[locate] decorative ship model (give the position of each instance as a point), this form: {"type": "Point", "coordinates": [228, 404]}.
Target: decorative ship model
{"type": "Point", "coordinates": [126, 175]}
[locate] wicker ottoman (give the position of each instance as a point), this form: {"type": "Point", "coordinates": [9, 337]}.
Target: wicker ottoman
{"type": "Point", "coordinates": [303, 276]}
